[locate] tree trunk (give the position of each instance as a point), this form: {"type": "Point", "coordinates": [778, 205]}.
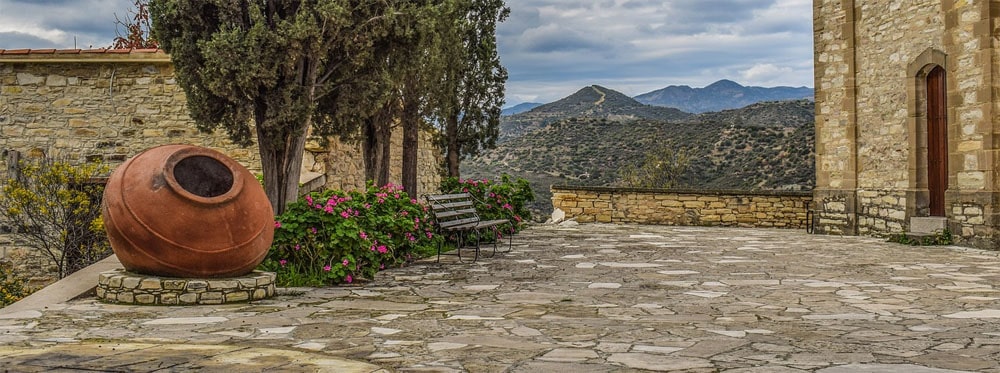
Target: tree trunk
{"type": "Point", "coordinates": [375, 146]}
{"type": "Point", "coordinates": [369, 144]}
{"type": "Point", "coordinates": [452, 158]}
{"type": "Point", "coordinates": [385, 136]}
{"type": "Point", "coordinates": [281, 161]}
{"type": "Point", "coordinates": [411, 133]}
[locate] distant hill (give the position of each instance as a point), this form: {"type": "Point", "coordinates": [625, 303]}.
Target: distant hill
{"type": "Point", "coordinates": [520, 108]}
{"type": "Point", "coordinates": [767, 145]}
{"type": "Point", "coordinates": [589, 102]}
{"type": "Point", "coordinates": [721, 95]}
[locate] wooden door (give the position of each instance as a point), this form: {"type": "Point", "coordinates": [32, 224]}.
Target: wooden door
{"type": "Point", "coordinates": [937, 140]}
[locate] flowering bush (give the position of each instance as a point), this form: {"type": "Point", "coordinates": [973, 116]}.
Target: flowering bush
{"type": "Point", "coordinates": [337, 237]}
{"type": "Point", "coordinates": [54, 206]}
{"type": "Point", "coordinates": [12, 286]}
{"type": "Point", "coordinates": [505, 199]}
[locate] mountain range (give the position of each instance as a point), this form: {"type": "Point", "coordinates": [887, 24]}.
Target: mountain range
{"type": "Point", "coordinates": [585, 138]}
{"type": "Point", "coordinates": [721, 95]}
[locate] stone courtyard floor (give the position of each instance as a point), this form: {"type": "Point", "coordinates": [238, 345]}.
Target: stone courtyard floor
{"type": "Point", "coordinates": [573, 298]}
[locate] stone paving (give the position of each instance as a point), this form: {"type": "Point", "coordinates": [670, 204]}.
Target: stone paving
{"type": "Point", "coordinates": [594, 298]}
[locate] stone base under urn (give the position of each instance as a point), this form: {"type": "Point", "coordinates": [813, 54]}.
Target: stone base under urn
{"type": "Point", "coordinates": [119, 286]}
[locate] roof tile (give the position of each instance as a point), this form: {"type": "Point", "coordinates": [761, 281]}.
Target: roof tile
{"type": "Point", "coordinates": [76, 51]}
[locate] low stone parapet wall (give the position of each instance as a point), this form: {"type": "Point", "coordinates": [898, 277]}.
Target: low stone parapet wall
{"type": "Point", "coordinates": [772, 209]}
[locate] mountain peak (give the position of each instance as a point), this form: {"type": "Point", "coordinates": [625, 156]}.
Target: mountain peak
{"type": "Point", "coordinates": [724, 84]}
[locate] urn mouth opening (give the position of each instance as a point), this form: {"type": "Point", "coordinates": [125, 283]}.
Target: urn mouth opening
{"type": "Point", "coordinates": [203, 176]}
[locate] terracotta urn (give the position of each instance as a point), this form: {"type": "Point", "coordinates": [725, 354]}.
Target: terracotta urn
{"type": "Point", "coordinates": [187, 211]}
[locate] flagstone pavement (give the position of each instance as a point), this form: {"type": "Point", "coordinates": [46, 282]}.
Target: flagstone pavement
{"type": "Point", "coordinates": [580, 298]}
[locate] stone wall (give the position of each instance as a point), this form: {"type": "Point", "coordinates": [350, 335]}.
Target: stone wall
{"type": "Point", "coordinates": [110, 105]}
{"type": "Point", "coordinates": [778, 209]}
{"type": "Point", "coordinates": [98, 106]}
{"type": "Point", "coordinates": [871, 62]}
{"type": "Point", "coordinates": [344, 166]}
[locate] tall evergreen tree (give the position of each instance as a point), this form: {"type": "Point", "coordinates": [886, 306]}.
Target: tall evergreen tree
{"type": "Point", "coordinates": [272, 69]}
{"type": "Point", "coordinates": [472, 81]}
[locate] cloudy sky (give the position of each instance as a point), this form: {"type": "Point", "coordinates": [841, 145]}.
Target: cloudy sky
{"type": "Point", "coordinates": [551, 48]}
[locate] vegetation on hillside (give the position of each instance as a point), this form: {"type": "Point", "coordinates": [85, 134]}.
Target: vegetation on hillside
{"type": "Point", "coordinates": [764, 146]}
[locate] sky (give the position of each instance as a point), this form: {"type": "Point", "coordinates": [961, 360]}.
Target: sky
{"type": "Point", "coordinates": [551, 48]}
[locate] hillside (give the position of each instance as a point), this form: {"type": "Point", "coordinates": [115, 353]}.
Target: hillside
{"type": "Point", "coordinates": [721, 95]}
{"type": "Point", "coordinates": [763, 146]}
{"type": "Point", "coordinates": [589, 102]}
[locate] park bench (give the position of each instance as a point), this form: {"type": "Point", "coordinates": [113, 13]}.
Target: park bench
{"type": "Point", "coordinates": [455, 216]}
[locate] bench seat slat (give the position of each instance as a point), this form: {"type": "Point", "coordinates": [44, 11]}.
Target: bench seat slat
{"type": "Point", "coordinates": [446, 215]}
{"type": "Point", "coordinates": [440, 197]}
{"type": "Point", "coordinates": [459, 223]}
{"type": "Point", "coordinates": [444, 206]}
{"type": "Point", "coordinates": [493, 223]}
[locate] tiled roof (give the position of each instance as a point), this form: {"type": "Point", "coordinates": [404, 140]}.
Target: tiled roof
{"type": "Point", "coordinates": [101, 55]}
{"type": "Point", "coordinates": [14, 52]}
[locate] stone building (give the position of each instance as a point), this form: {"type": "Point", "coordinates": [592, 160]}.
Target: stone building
{"type": "Point", "coordinates": [111, 104]}
{"type": "Point", "coordinates": [907, 117]}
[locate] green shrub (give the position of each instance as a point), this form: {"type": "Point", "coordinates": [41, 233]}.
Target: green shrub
{"type": "Point", "coordinates": [505, 199]}
{"type": "Point", "coordinates": [336, 237]}
{"type": "Point", "coordinates": [12, 287]}
{"type": "Point", "coordinates": [938, 238]}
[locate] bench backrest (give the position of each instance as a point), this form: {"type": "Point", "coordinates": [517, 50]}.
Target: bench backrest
{"type": "Point", "coordinates": [453, 210]}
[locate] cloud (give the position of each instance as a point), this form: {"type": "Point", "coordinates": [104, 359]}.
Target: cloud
{"type": "Point", "coordinates": [551, 48]}
{"type": "Point", "coordinates": [61, 23]}
{"type": "Point", "coordinates": [19, 40]}
{"type": "Point", "coordinates": [766, 72]}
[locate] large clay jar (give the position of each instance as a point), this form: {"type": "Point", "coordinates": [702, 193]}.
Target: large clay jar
{"type": "Point", "coordinates": [187, 211]}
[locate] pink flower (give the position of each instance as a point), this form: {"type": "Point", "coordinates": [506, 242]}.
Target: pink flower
{"type": "Point", "coordinates": [349, 279]}
{"type": "Point", "coordinates": [345, 262]}
{"type": "Point", "coordinates": [277, 224]}
{"type": "Point", "coordinates": [507, 206]}
{"type": "Point", "coordinates": [363, 235]}
{"type": "Point", "coordinates": [492, 195]}
{"type": "Point", "coordinates": [327, 268]}
{"type": "Point", "coordinates": [382, 249]}
{"type": "Point", "coordinates": [429, 234]}
{"type": "Point", "coordinates": [344, 214]}
{"type": "Point", "coordinates": [413, 201]}
{"type": "Point", "coordinates": [313, 230]}
{"type": "Point", "coordinates": [309, 199]}
{"type": "Point", "coordinates": [381, 266]}
{"type": "Point", "coordinates": [298, 247]}
{"type": "Point", "coordinates": [282, 262]}
{"type": "Point", "coordinates": [404, 213]}
{"type": "Point", "coordinates": [328, 209]}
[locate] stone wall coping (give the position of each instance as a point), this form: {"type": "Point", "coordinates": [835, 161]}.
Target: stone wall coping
{"type": "Point", "coordinates": [716, 192]}
{"type": "Point", "coordinates": [101, 55]}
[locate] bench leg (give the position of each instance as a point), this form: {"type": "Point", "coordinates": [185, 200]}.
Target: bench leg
{"type": "Point", "coordinates": [510, 239]}
{"type": "Point", "coordinates": [463, 237]}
